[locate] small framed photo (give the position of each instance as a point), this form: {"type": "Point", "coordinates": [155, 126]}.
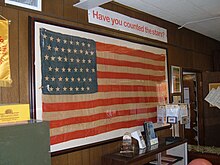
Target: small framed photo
{"type": "Point", "coordinates": [29, 4]}
{"type": "Point", "coordinates": [175, 79]}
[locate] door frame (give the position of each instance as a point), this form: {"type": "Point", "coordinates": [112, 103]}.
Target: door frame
{"type": "Point", "coordinates": [200, 103]}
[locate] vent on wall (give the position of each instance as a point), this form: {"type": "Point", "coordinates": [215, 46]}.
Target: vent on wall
{"type": "Point", "coordinates": [30, 4]}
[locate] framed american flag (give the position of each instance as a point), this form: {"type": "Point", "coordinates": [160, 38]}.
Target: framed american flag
{"type": "Point", "coordinates": [92, 87]}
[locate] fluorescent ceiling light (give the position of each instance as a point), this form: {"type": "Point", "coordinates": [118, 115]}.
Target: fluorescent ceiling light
{"type": "Point", "coordinates": [89, 4]}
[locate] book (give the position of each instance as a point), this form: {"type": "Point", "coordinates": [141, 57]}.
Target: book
{"type": "Point", "coordinates": [150, 135]}
{"type": "Point", "coordinates": [138, 136]}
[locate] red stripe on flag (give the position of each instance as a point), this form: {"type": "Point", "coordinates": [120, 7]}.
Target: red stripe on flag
{"type": "Point", "coordinates": [65, 106]}
{"type": "Point", "coordinates": [105, 61]}
{"type": "Point", "coordinates": [97, 130]}
{"type": "Point", "coordinates": [110, 88]}
{"type": "Point", "coordinates": [128, 51]}
{"type": "Point", "coordinates": [95, 117]}
{"type": "Point", "coordinates": [129, 76]}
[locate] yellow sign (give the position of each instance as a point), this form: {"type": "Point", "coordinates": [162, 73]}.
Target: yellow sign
{"type": "Point", "coordinates": [5, 77]}
{"type": "Point", "coordinates": [14, 113]}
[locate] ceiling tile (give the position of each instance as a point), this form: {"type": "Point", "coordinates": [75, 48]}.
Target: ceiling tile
{"type": "Point", "coordinates": [212, 7]}
{"type": "Point", "coordinates": [193, 13]}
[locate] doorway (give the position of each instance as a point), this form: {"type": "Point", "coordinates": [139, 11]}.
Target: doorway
{"type": "Point", "coordinates": [192, 95]}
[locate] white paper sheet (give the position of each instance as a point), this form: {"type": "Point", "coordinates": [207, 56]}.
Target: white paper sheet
{"type": "Point", "coordinates": [213, 97]}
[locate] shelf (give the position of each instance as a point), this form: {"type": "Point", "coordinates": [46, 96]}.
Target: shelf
{"type": "Point", "coordinates": [177, 148]}
{"type": "Point", "coordinates": [167, 160]}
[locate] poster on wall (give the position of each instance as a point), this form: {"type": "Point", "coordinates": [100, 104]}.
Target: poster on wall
{"type": "Point", "coordinates": [214, 94]}
{"type": "Point", "coordinates": [91, 87]}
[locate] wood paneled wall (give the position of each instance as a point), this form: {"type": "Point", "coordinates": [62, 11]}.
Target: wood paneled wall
{"type": "Point", "coordinates": [211, 114]}
{"type": "Point", "coordinates": [185, 48]}
{"type": "Point", "coordinates": [216, 60]}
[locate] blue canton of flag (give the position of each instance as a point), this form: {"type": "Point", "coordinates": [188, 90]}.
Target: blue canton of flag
{"type": "Point", "coordinates": [68, 64]}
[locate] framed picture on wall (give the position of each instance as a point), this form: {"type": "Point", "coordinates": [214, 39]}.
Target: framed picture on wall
{"type": "Point", "coordinates": [175, 79]}
{"type": "Point", "coordinates": [33, 4]}
{"type": "Point", "coordinates": [92, 87]}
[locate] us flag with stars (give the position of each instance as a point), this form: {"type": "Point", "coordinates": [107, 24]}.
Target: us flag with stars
{"type": "Point", "coordinates": [95, 86]}
{"type": "Point", "coordinates": [68, 64]}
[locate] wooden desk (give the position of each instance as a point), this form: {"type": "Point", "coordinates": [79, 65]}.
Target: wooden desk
{"type": "Point", "coordinates": [177, 148]}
